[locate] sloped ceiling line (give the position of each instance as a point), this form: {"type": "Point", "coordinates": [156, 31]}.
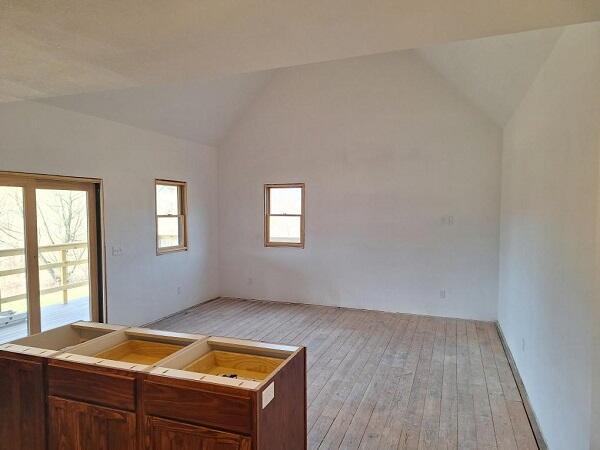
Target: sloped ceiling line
{"type": "Point", "coordinates": [493, 74]}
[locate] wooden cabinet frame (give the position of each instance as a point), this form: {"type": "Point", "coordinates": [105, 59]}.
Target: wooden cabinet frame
{"type": "Point", "coordinates": [29, 183]}
{"type": "Point", "coordinates": [268, 215]}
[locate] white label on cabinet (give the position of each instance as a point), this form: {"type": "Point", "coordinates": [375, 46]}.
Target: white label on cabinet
{"type": "Point", "coordinates": [268, 395]}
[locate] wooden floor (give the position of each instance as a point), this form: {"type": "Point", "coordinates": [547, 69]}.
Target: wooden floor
{"type": "Point", "coordinates": [383, 380]}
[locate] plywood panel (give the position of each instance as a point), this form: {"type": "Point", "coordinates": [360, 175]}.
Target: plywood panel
{"type": "Point", "coordinates": [138, 351]}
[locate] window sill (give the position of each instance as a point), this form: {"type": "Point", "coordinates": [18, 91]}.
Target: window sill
{"type": "Point", "coordinates": [284, 244]}
{"type": "Point", "coordinates": [167, 250]}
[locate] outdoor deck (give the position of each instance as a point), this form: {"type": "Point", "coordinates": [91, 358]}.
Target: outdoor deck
{"type": "Point", "coordinates": [52, 317]}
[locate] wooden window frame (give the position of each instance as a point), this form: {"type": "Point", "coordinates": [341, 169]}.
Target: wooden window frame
{"type": "Point", "coordinates": [267, 214]}
{"type": "Point", "coordinates": [182, 194]}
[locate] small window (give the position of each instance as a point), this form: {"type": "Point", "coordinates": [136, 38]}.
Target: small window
{"type": "Point", "coordinates": [171, 219]}
{"type": "Point", "coordinates": [284, 215]}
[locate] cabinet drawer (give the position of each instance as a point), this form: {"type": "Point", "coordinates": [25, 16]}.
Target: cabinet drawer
{"type": "Point", "coordinates": [196, 405]}
{"type": "Point", "coordinates": [100, 386]}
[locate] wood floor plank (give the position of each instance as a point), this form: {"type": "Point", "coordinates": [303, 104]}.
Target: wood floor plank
{"type": "Point", "coordinates": [324, 410]}
{"type": "Point", "coordinates": [393, 431]}
{"type": "Point", "coordinates": [385, 401]}
{"type": "Point", "coordinates": [332, 398]}
{"type": "Point", "coordinates": [380, 380]}
{"type": "Point", "coordinates": [486, 438]}
{"type": "Point", "coordinates": [505, 438]}
{"type": "Point", "coordinates": [370, 389]}
{"type": "Point", "coordinates": [467, 425]}
{"type": "Point", "coordinates": [520, 422]}
{"type": "Point", "coordinates": [507, 379]}
{"type": "Point", "coordinates": [411, 427]}
{"type": "Point", "coordinates": [430, 424]}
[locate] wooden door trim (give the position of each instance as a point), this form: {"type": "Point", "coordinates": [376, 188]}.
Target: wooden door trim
{"type": "Point", "coordinates": [43, 176]}
{"type": "Point", "coordinates": [30, 182]}
{"type": "Point", "coordinates": [34, 319]}
{"type": "Point", "coordinates": [93, 273]}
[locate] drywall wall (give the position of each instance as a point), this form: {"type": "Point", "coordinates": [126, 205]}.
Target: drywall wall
{"type": "Point", "coordinates": [141, 285]}
{"type": "Point", "coordinates": [596, 328]}
{"type": "Point", "coordinates": [388, 150]}
{"type": "Point", "coordinates": [549, 237]}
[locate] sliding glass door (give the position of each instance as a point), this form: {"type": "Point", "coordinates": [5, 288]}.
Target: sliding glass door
{"type": "Point", "coordinates": [48, 257]}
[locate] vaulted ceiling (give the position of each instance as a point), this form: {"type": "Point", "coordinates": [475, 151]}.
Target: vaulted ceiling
{"type": "Point", "coordinates": [61, 47]}
{"type": "Point", "coordinates": [494, 73]}
{"type": "Point", "coordinates": [189, 68]}
{"type": "Point", "coordinates": [200, 111]}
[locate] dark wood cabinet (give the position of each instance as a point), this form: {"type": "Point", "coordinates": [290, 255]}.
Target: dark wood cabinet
{"type": "Point", "coordinates": [168, 435]}
{"type": "Point", "coordinates": [213, 393]}
{"type": "Point", "coordinates": [22, 403]}
{"type": "Point", "coordinates": [74, 425]}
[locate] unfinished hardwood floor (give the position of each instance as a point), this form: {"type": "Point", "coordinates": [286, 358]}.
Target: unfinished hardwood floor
{"type": "Point", "coordinates": [385, 380]}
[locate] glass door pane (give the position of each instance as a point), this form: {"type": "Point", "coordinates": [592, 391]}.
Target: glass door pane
{"type": "Point", "coordinates": [63, 253]}
{"type": "Point", "coordinates": [13, 279]}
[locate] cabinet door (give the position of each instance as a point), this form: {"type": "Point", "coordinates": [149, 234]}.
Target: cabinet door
{"type": "Point", "coordinates": [80, 426]}
{"type": "Point", "coordinates": [22, 416]}
{"type": "Point", "coordinates": [168, 435]}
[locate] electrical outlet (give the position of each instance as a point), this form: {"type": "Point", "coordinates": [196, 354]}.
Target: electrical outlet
{"type": "Point", "coordinates": [447, 220]}
{"type": "Point", "coordinates": [250, 281]}
{"type": "Point", "coordinates": [443, 294]}
{"type": "Point", "coordinates": [116, 251]}
{"type": "Point", "coordinates": [178, 290]}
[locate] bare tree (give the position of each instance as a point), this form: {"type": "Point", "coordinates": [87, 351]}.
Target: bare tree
{"type": "Point", "coordinates": [61, 219]}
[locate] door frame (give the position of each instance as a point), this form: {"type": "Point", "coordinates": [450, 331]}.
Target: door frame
{"type": "Point", "coordinates": [97, 281]}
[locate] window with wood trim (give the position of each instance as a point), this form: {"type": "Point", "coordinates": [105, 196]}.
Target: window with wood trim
{"type": "Point", "coordinates": [284, 215]}
{"type": "Point", "coordinates": [171, 216]}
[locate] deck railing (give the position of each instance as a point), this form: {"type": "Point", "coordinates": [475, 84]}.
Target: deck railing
{"type": "Point", "coordinates": [63, 264]}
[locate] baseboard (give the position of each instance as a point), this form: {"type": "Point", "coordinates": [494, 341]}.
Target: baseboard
{"type": "Point", "coordinates": [352, 308]}
{"type": "Point", "coordinates": [147, 325]}
{"type": "Point", "coordinates": [537, 432]}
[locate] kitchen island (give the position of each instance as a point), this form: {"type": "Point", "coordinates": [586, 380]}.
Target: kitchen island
{"type": "Point", "coordinates": [92, 386]}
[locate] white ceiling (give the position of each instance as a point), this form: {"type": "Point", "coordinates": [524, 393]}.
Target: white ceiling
{"type": "Point", "coordinates": [496, 72]}
{"type": "Point", "coordinates": [493, 73]}
{"type": "Point", "coordinates": [62, 47]}
{"type": "Point", "coordinates": [202, 111]}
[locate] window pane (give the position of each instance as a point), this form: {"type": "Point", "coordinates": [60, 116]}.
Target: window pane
{"type": "Point", "coordinates": [167, 200]}
{"type": "Point", "coordinates": [284, 229]}
{"type": "Point", "coordinates": [168, 232]}
{"type": "Point", "coordinates": [286, 200]}
{"type": "Point", "coordinates": [13, 281]}
{"type": "Point", "coordinates": [63, 250]}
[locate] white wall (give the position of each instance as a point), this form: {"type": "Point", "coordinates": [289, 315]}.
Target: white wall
{"type": "Point", "coordinates": [141, 286]}
{"type": "Point", "coordinates": [386, 149]}
{"type": "Point", "coordinates": [596, 329]}
{"type": "Point", "coordinates": [548, 237]}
